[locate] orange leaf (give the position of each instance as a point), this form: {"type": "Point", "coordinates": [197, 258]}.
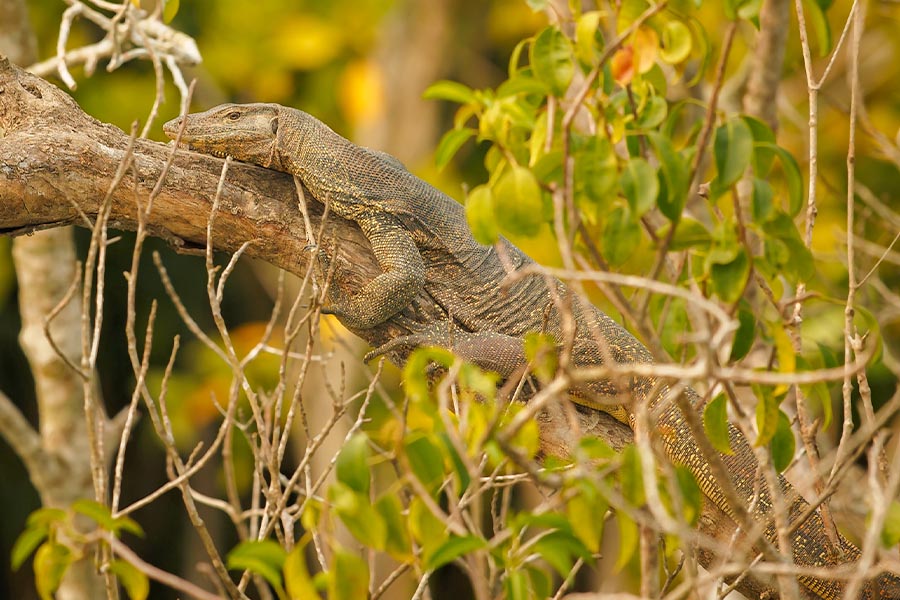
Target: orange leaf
{"type": "Point", "coordinates": [622, 65]}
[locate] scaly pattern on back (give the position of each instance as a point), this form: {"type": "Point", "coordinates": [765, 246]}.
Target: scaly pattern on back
{"type": "Point", "coordinates": [420, 238]}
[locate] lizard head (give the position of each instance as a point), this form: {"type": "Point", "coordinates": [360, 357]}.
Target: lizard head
{"type": "Point", "coordinates": [247, 132]}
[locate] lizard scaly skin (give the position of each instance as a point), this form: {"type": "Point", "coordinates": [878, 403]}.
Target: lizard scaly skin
{"type": "Point", "coordinates": [420, 238]}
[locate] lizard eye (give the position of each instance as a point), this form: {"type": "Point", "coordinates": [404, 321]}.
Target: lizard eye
{"type": "Point", "coordinates": [233, 116]}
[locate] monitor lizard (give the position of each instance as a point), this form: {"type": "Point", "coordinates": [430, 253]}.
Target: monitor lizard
{"type": "Point", "coordinates": [421, 239]}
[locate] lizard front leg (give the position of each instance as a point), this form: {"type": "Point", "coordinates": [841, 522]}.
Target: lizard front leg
{"type": "Point", "coordinates": [402, 278]}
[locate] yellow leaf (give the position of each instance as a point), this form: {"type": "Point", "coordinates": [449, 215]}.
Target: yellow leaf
{"type": "Point", "coordinates": [646, 47]}
{"type": "Point", "coordinates": [622, 65]}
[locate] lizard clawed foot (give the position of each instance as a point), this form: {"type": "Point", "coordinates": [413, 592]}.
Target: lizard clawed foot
{"type": "Point", "coordinates": [404, 341]}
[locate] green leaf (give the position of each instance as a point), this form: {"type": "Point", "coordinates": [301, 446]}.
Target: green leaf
{"type": "Point", "coordinates": [691, 494]}
{"type": "Point", "coordinates": [521, 83]}
{"type": "Point", "coordinates": [551, 60]}
{"type": "Point", "coordinates": [450, 90]}
{"type": "Point", "coordinates": [425, 460]}
{"type": "Point", "coordinates": [749, 10]}
{"type": "Point", "coordinates": [819, 20]}
{"type": "Point", "coordinates": [744, 336]}
{"type": "Point", "coordinates": [541, 354]}
{"type": "Point", "coordinates": [621, 236]}
{"type": "Point", "coordinates": [762, 207]}
{"type": "Point", "coordinates": [397, 542]}
{"type": "Point", "coordinates": [136, 584]}
{"type": "Point", "coordinates": [676, 42]}
{"type": "Point", "coordinates": [262, 557]}
{"type": "Point", "coordinates": [517, 585]}
{"type": "Point", "coordinates": [425, 527]}
{"type": "Point", "coordinates": [517, 202]}
{"type": "Point", "coordinates": [653, 113]}
{"type": "Point", "coordinates": [297, 582]}
{"type": "Point", "coordinates": [99, 513]}
{"type": "Point", "coordinates": [46, 517]}
{"type": "Point", "coordinates": [559, 549]}
{"type": "Point", "coordinates": [732, 150]}
{"type": "Point", "coordinates": [762, 158]}
{"type": "Point", "coordinates": [541, 582]}
{"type": "Point", "coordinates": [791, 175]}
{"type": "Point", "coordinates": [628, 539]}
{"type": "Point", "coordinates": [784, 249]}
{"type": "Point", "coordinates": [783, 443]}
{"type": "Point", "coordinates": [639, 185]}
{"type": "Point", "coordinates": [349, 577]}
{"type": "Point", "coordinates": [450, 145]}
{"type": "Point", "coordinates": [673, 177]}
{"type": "Point", "coordinates": [352, 467]}
{"type": "Point", "coordinates": [587, 34]}
{"type": "Point", "coordinates": [767, 411]}
{"type": "Point", "coordinates": [729, 280]}
{"type": "Point", "coordinates": [715, 423]}
{"type": "Point", "coordinates": [596, 177]}
{"type": "Point", "coordinates": [689, 233]}
{"type": "Point", "coordinates": [480, 215]}
{"type": "Point", "coordinates": [358, 515]}
{"type": "Point", "coordinates": [630, 476]}
{"type": "Point", "coordinates": [25, 544]}
{"type": "Point", "coordinates": [452, 549]}
{"type": "Point", "coordinates": [890, 533]}
{"type": "Point", "coordinates": [169, 12]}
{"type": "Point", "coordinates": [50, 563]}
{"type": "Point", "coordinates": [586, 516]}
{"type": "Point", "coordinates": [415, 381]}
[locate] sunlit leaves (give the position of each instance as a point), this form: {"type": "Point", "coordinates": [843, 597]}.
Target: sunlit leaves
{"type": "Point", "coordinates": [263, 557]}
{"type": "Point", "coordinates": [450, 144]}
{"type": "Point", "coordinates": [551, 60]}
{"type": "Point", "coordinates": [352, 464]}
{"type": "Point", "coordinates": [135, 582]}
{"type": "Point", "coordinates": [676, 42]}
{"type": "Point", "coordinates": [297, 581]}
{"type": "Point", "coordinates": [453, 548]}
{"type": "Point", "coordinates": [480, 215]}
{"type": "Point", "coordinates": [349, 577]}
{"type": "Point", "coordinates": [517, 202]}
{"type": "Point", "coordinates": [587, 37]}
{"type": "Point", "coordinates": [450, 90]}
{"type": "Point", "coordinates": [50, 563]}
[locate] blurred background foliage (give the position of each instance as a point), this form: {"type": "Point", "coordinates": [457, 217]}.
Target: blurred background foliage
{"type": "Point", "coordinates": [362, 66]}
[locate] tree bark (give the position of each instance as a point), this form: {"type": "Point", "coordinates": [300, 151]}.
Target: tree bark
{"type": "Point", "coordinates": [56, 165]}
